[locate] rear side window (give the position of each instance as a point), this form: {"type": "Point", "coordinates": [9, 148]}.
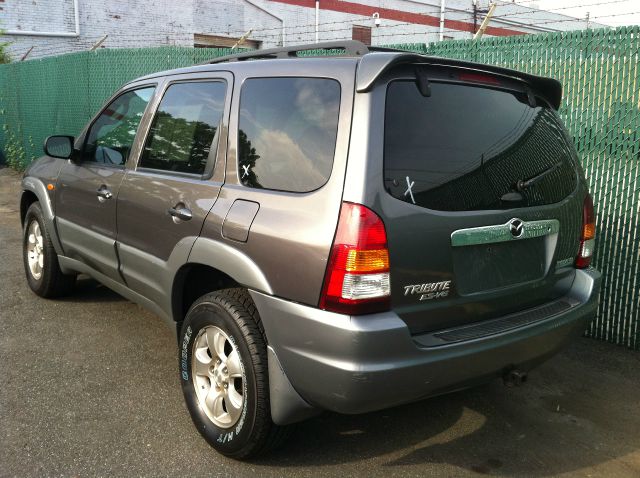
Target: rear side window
{"type": "Point", "coordinates": [287, 132]}
{"type": "Point", "coordinates": [471, 148]}
{"type": "Point", "coordinates": [184, 127]}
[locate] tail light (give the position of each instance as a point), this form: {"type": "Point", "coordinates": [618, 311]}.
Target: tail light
{"type": "Point", "coordinates": [357, 277]}
{"type": "Point", "coordinates": [588, 235]}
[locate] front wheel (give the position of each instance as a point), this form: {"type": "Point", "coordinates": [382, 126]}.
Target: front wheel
{"type": "Point", "coordinates": [40, 259]}
{"type": "Point", "coordinates": [223, 366]}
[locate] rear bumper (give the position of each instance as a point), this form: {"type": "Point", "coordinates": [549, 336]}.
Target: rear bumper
{"type": "Point", "coordinates": [360, 364]}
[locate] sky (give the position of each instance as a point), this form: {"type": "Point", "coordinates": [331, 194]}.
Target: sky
{"type": "Point", "coordinates": [627, 12]}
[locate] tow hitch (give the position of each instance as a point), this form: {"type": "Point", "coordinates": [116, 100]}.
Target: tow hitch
{"type": "Point", "coordinates": [514, 378]}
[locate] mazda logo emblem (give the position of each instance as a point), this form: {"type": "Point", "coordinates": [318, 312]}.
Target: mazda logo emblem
{"type": "Point", "coordinates": [516, 227]}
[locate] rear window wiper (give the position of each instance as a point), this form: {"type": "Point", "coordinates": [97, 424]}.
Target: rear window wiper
{"type": "Point", "coordinates": [523, 184]}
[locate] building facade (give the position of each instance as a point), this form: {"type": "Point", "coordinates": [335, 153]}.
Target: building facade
{"type": "Point", "coordinates": [41, 28]}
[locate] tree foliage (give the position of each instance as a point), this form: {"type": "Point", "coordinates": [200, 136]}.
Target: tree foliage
{"type": "Point", "coordinates": [177, 144]}
{"type": "Point", "coordinates": [247, 157]}
{"type": "Point", "coordinates": [4, 54]}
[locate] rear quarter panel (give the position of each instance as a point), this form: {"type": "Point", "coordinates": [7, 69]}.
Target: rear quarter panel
{"type": "Point", "coordinates": [291, 235]}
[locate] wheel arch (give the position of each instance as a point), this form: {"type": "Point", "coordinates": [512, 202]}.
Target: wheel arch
{"type": "Point", "coordinates": [27, 198]}
{"type": "Point", "coordinates": [33, 187]}
{"type": "Point", "coordinates": [213, 265]}
{"type": "Point", "coordinates": [34, 190]}
{"type": "Point", "coordinates": [192, 281]}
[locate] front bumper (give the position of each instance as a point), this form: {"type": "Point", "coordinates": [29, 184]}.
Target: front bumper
{"type": "Point", "coordinates": [364, 363]}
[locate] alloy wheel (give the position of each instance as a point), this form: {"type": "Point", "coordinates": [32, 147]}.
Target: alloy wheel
{"type": "Point", "coordinates": [35, 250]}
{"type": "Point", "coordinates": [218, 376]}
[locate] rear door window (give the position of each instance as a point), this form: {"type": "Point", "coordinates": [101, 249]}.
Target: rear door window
{"type": "Point", "coordinates": [184, 127]}
{"type": "Point", "coordinates": [287, 132]}
{"type": "Point", "coordinates": [468, 147]}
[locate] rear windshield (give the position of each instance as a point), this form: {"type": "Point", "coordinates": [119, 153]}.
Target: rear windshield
{"type": "Point", "coordinates": [469, 148]}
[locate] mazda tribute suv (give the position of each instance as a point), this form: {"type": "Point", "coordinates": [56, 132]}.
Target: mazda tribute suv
{"type": "Point", "coordinates": [344, 233]}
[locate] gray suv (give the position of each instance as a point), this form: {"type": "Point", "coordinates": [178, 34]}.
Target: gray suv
{"type": "Point", "coordinates": [347, 232]}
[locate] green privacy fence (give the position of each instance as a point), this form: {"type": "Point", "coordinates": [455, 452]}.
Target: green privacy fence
{"type": "Point", "coordinates": [57, 95]}
{"type": "Point", "coordinates": [599, 69]}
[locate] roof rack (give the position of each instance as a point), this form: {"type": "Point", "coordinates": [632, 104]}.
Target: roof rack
{"type": "Point", "coordinates": [350, 47]}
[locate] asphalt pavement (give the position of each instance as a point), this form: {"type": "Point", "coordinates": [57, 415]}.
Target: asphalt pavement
{"type": "Point", "coordinates": [89, 386]}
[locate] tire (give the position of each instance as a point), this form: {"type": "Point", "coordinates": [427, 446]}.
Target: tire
{"type": "Point", "coordinates": [228, 395]}
{"type": "Point", "coordinates": [40, 258]}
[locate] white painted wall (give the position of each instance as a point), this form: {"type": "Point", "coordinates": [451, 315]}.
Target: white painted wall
{"type": "Point", "coordinates": [142, 23]}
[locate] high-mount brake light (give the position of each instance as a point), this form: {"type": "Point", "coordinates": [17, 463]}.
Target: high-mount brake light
{"type": "Point", "coordinates": [587, 235]}
{"type": "Point", "coordinates": [479, 78]}
{"type": "Point", "coordinates": [357, 277]}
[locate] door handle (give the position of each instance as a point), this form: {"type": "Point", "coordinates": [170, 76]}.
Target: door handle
{"type": "Point", "coordinates": [103, 193]}
{"type": "Point", "coordinates": [180, 212]}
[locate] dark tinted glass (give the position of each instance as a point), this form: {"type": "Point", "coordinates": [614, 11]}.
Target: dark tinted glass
{"type": "Point", "coordinates": [184, 127]}
{"type": "Point", "coordinates": [467, 148]}
{"type": "Point", "coordinates": [111, 136]}
{"type": "Point", "coordinates": [288, 129]}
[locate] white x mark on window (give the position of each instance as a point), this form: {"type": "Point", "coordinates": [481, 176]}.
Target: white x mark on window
{"type": "Point", "coordinates": [409, 191]}
{"type": "Point", "coordinates": [245, 167]}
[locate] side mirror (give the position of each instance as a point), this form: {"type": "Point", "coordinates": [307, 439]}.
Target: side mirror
{"type": "Point", "coordinates": [59, 146]}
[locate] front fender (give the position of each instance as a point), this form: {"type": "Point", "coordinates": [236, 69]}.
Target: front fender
{"type": "Point", "coordinates": [37, 187]}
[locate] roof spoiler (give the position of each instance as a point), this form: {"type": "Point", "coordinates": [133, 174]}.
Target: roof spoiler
{"type": "Point", "coordinates": [372, 65]}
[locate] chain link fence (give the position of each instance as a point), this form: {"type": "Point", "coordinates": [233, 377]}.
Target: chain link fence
{"type": "Point", "coordinates": [600, 71]}
{"type": "Point", "coordinates": [58, 95]}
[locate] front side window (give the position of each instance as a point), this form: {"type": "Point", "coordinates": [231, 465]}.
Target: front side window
{"type": "Point", "coordinates": [184, 127]}
{"type": "Point", "coordinates": [111, 136]}
{"type": "Point", "coordinates": [287, 132]}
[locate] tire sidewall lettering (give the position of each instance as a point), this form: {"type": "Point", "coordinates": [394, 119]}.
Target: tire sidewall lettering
{"type": "Point", "coordinates": [184, 354]}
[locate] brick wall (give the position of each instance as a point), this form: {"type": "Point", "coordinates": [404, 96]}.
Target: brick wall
{"type": "Point", "coordinates": [129, 23]}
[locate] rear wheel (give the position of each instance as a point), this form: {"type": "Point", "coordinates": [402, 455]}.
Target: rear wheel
{"type": "Point", "coordinates": [223, 364]}
{"type": "Point", "coordinates": [40, 258]}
